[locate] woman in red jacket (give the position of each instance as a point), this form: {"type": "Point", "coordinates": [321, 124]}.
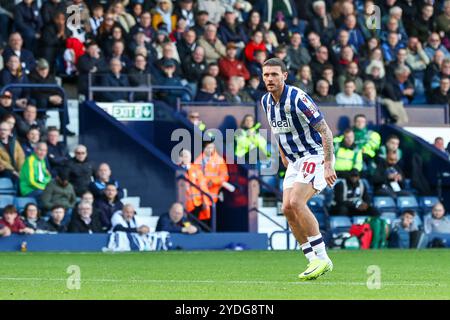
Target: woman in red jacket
{"type": "Point", "coordinates": [256, 43]}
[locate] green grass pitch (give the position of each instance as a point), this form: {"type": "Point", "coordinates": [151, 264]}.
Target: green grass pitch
{"type": "Point", "coordinates": [415, 274]}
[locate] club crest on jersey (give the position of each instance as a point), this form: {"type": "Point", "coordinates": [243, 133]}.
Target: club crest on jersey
{"type": "Point", "coordinates": [281, 125]}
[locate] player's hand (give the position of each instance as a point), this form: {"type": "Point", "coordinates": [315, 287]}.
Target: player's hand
{"type": "Point", "coordinates": [330, 174]}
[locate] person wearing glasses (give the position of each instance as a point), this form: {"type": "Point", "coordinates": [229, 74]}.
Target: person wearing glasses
{"type": "Point", "coordinates": [81, 170]}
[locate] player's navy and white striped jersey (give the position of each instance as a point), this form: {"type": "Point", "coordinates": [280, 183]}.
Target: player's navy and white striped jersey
{"type": "Point", "coordinates": [292, 120]}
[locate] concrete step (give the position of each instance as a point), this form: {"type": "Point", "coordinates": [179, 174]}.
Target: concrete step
{"type": "Point", "coordinates": [134, 201]}
{"type": "Point", "coordinates": [150, 222]}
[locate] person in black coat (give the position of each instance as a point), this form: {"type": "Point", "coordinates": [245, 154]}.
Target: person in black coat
{"type": "Point", "coordinates": [11, 74]}
{"type": "Point", "coordinates": [57, 150]}
{"type": "Point", "coordinates": [107, 205]}
{"type": "Point", "coordinates": [90, 63]}
{"type": "Point", "coordinates": [441, 95]}
{"type": "Point", "coordinates": [139, 75]}
{"type": "Point", "coordinates": [175, 221]}
{"type": "Point", "coordinates": [187, 44]}
{"type": "Point", "coordinates": [15, 47]}
{"type": "Point", "coordinates": [53, 40]}
{"type": "Point", "coordinates": [50, 8]}
{"type": "Point", "coordinates": [194, 67]}
{"type": "Point", "coordinates": [400, 89]}
{"type": "Point", "coordinates": [84, 221]}
{"type": "Point", "coordinates": [389, 178]}
{"type": "Point", "coordinates": [28, 21]}
{"type": "Point", "coordinates": [115, 79]}
{"type": "Point", "coordinates": [81, 170]}
{"type": "Point", "coordinates": [55, 223]}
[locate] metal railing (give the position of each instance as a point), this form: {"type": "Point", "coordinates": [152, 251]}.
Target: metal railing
{"type": "Point", "coordinates": [213, 205]}
{"type": "Point", "coordinates": [43, 86]}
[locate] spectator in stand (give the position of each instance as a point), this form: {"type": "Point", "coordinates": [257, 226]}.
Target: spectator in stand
{"type": "Point", "coordinates": [31, 140]}
{"type": "Point", "coordinates": [185, 10]}
{"type": "Point", "coordinates": [254, 88]}
{"type": "Point", "coordinates": [441, 95]}
{"type": "Point", "coordinates": [438, 221]}
{"type": "Point", "coordinates": [230, 66]}
{"type": "Point", "coordinates": [255, 67]}
{"type": "Point", "coordinates": [393, 25]}
{"type": "Point", "coordinates": [90, 63]}
{"type": "Point", "coordinates": [127, 221]}
{"type": "Point", "coordinates": [351, 73]}
{"type": "Point", "coordinates": [32, 218]}
{"type": "Point", "coordinates": [348, 155]}
{"type": "Point", "coordinates": [139, 75]}
{"type": "Point", "coordinates": [249, 139]}
{"type": "Point", "coordinates": [195, 202]}
{"type": "Point", "coordinates": [55, 224]}
{"type": "Point", "coordinates": [322, 95]}
{"type": "Point", "coordinates": [97, 18]}
{"type": "Point", "coordinates": [207, 92]}
{"type": "Point", "coordinates": [50, 9]}
{"type": "Point", "coordinates": [328, 75]}
{"type": "Point", "coordinates": [281, 30]}
{"type": "Point", "coordinates": [81, 170]}
{"type": "Point", "coordinates": [107, 204]}
{"type": "Point", "coordinates": [106, 41]}
{"type": "Point", "coordinates": [53, 41]}
{"type": "Point", "coordinates": [169, 78]}
{"type": "Point", "coordinates": [34, 175]}
{"type": "Point", "coordinates": [15, 47]}
{"type": "Point", "coordinates": [48, 98]}
{"type": "Point", "coordinates": [57, 151]}
{"type": "Point", "coordinates": [145, 26]}
{"type": "Point", "coordinates": [97, 187]}
{"type": "Point", "coordinates": [28, 22]}
{"type": "Point", "coordinates": [314, 43]}
{"type": "Point", "coordinates": [298, 55]}
{"type": "Point", "coordinates": [175, 221]}
{"type": "Point", "coordinates": [215, 172]}
{"type": "Point", "coordinates": [256, 43]}
{"type": "Point", "coordinates": [370, 96]}
{"type": "Point", "coordinates": [389, 178]}
{"type": "Point", "coordinates": [399, 61]}
{"type": "Point", "coordinates": [351, 196]}
{"type": "Point", "coordinates": [163, 13]}
{"type": "Point", "coordinates": [375, 73]}
{"type": "Point", "coordinates": [405, 234]}
{"type": "Point", "coordinates": [115, 78]}
{"type": "Point", "coordinates": [269, 11]}
{"type": "Point", "coordinates": [6, 104]}
{"type": "Point", "coordinates": [187, 44]}
{"type": "Point", "coordinates": [392, 145]}
{"type": "Point", "coordinates": [230, 30]}
{"type": "Point", "coordinates": [29, 120]}
{"type": "Point", "coordinates": [253, 22]}
{"type": "Point", "coordinates": [304, 79]}
{"type": "Point", "coordinates": [356, 38]}
{"type": "Point", "coordinates": [434, 44]}
{"type": "Point", "coordinates": [82, 8]}
{"type": "Point", "coordinates": [236, 95]}
{"type": "Point", "coordinates": [84, 221]}
{"type": "Point", "coordinates": [443, 20]}
{"type": "Point", "coordinates": [322, 23]}
{"type": "Point", "coordinates": [423, 25]}
{"type": "Point", "coordinates": [348, 96]}
{"type": "Point", "coordinates": [416, 57]}
{"type": "Point", "coordinates": [118, 52]}
{"type": "Point", "coordinates": [59, 191]}
{"type": "Point", "coordinates": [439, 145]}
{"type": "Point", "coordinates": [391, 46]}
{"type": "Point", "coordinates": [125, 19]}
{"type": "Point", "coordinates": [342, 42]}
{"type": "Point", "coordinates": [318, 62]}
{"type": "Point", "coordinates": [194, 118]}
{"type": "Point", "coordinates": [201, 21]}
{"type": "Point", "coordinates": [401, 89]}
{"type": "Point", "coordinates": [432, 73]}
{"type": "Point", "coordinates": [214, 48]}
{"type": "Point", "coordinates": [12, 156]}
{"type": "Point", "coordinates": [169, 52]}
{"type": "Point", "coordinates": [14, 74]}
{"type": "Point", "coordinates": [12, 221]}
{"type": "Point", "coordinates": [194, 67]}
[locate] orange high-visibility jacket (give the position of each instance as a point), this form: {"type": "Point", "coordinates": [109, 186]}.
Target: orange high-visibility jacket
{"type": "Point", "coordinates": [215, 172]}
{"type": "Point", "coordinates": [194, 198]}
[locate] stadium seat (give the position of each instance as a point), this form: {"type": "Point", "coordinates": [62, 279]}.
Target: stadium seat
{"type": "Point", "coordinates": [21, 202]}
{"type": "Point", "coordinates": [389, 217]}
{"type": "Point", "coordinates": [407, 203]}
{"type": "Point", "coordinates": [5, 200]}
{"type": "Point", "coordinates": [359, 219]}
{"type": "Point", "coordinates": [322, 218]}
{"type": "Point", "coordinates": [384, 204]}
{"type": "Point", "coordinates": [7, 186]}
{"type": "Point", "coordinates": [368, 186]}
{"type": "Point", "coordinates": [426, 203]}
{"type": "Point", "coordinates": [340, 223]}
{"type": "Point", "coordinates": [316, 203]}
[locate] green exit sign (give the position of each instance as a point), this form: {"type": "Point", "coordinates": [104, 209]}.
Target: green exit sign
{"type": "Point", "coordinates": [129, 111]}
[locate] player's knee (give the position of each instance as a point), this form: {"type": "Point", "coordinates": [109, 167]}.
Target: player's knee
{"type": "Point", "coordinates": [297, 205]}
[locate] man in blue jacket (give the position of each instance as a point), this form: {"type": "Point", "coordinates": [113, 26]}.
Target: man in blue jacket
{"type": "Point", "coordinates": [15, 47]}
{"type": "Point", "coordinates": [175, 221]}
{"type": "Point", "coordinates": [115, 78]}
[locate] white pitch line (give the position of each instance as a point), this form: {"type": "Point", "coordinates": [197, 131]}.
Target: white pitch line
{"type": "Point", "coordinates": [245, 282]}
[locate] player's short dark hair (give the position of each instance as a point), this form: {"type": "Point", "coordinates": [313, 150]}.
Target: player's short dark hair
{"type": "Point", "coordinates": [275, 62]}
{"type": "Point", "coordinates": [58, 206]}
{"type": "Point", "coordinates": [359, 115]}
{"type": "Point", "coordinates": [348, 130]}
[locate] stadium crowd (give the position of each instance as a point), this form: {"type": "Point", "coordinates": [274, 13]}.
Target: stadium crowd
{"type": "Point", "coordinates": [215, 48]}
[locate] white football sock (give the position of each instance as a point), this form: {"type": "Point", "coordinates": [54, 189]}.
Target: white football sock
{"type": "Point", "coordinates": [308, 251]}
{"type": "Point", "coordinates": [317, 244]}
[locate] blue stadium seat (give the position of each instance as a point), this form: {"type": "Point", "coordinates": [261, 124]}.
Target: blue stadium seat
{"type": "Point", "coordinates": [7, 186]}
{"type": "Point", "coordinates": [368, 186]}
{"type": "Point", "coordinates": [21, 202]}
{"type": "Point", "coordinates": [323, 220]}
{"type": "Point", "coordinates": [340, 223]}
{"type": "Point", "coordinates": [418, 220]}
{"type": "Point", "coordinates": [6, 200]}
{"type": "Point", "coordinates": [359, 219]}
{"type": "Point", "coordinates": [426, 203]}
{"type": "Point", "coordinates": [316, 203]}
{"type": "Point", "coordinates": [407, 203]}
{"type": "Point", "coordinates": [389, 216]}
{"type": "Point", "coordinates": [384, 204]}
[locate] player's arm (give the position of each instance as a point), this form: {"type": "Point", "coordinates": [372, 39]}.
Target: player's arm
{"type": "Point", "coordinates": [283, 158]}
{"type": "Point", "coordinates": [328, 149]}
